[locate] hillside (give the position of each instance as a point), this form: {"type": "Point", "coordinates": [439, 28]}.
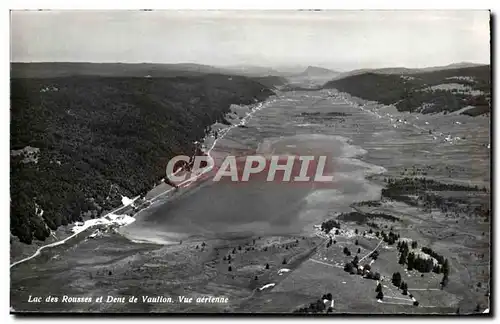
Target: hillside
{"type": "Point", "coordinates": [445, 90]}
{"type": "Point", "coordinates": [78, 143]}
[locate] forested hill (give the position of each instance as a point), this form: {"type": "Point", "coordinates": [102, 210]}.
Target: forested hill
{"type": "Point", "coordinates": [428, 92]}
{"type": "Point", "coordinates": [79, 143]}
{"type": "Point", "coordinates": [147, 70]}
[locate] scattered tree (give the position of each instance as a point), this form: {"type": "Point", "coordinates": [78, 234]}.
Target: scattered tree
{"type": "Point", "coordinates": [396, 279]}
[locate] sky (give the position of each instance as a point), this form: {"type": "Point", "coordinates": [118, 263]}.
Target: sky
{"type": "Point", "coordinates": [341, 40]}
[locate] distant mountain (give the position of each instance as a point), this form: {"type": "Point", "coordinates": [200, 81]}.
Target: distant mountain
{"type": "Point", "coordinates": [403, 70]}
{"type": "Point", "coordinates": [251, 70]}
{"type": "Point", "coordinates": [315, 71]}
{"type": "Point", "coordinates": [139, 70]}
{"type": "Point", "coordinates": [432, 90]}
{"type": "Point", "coordinates": [66, 69]}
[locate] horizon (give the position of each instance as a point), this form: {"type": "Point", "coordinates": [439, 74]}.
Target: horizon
{"type": "Point", "coordinates": [276, 68]}
{"type": "Point", "coordinates": [336, 40]}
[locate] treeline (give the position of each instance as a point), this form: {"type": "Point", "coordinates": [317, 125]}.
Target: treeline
{"type": "Point", "coordinates": [328, 225]}
{"type": "Point", "coordinates": [421, 263]}
{"type": "Point", "coordinates": [411, 93]}
{"type": "Point", "coordinates": [365, 271]}
{"type": "Point", "coordinates": [100, 138]}
{"type": "Point", "coordinates": [422, 188]}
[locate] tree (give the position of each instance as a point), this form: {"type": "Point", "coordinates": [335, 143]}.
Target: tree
{"type": "Point", "coordinates": [414, 244]}
{"type": "Point", "coordinates": [337, 232]}
{"type": "Point", "coordinates": [356, 242]}
{"type": "Point", "coordinates": [359, 250]}
{"type": "Point", "coordinates": [229, 269]}
{"type": "Point", "coordinates": [229, 257]}
{"type": "Point", "coordinates": [320, 306]}
{"type": "Point", "coordinates": [356, 231]}
{"type": "Point", "coordinates": [402, 258]}
{"type": "Point", "coordinates": [284, 261]}
{"type": "Point", "coordinates": [446, 267]}
{"type": "Point", "coordinates": [415, 303]}
{"type": "Point", "coordinates": [379, 287]}
{"type": "Point", "coordinates": [329, 296]}
{"type": "Point", "coordinates": [355, 261]}
{"type": "Point", "coordinates": [380, 295]}
{"type": "Point", "coordinates": [444, 282]}
{"type": "Point", "coordinates": [376, 276]}
{"type": "Point", "coordinates": [411, 258]}
{"type": "Point", "coordinates": [256, 278]}
{"type": "Point", "coordinates": [349, 267]}
{"type": "Point", "coordinates": [404, 287]}
{"type": "Point", "coordinates": [267, 266]}
{"type": "Point", "coordinates": [396, 279]}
